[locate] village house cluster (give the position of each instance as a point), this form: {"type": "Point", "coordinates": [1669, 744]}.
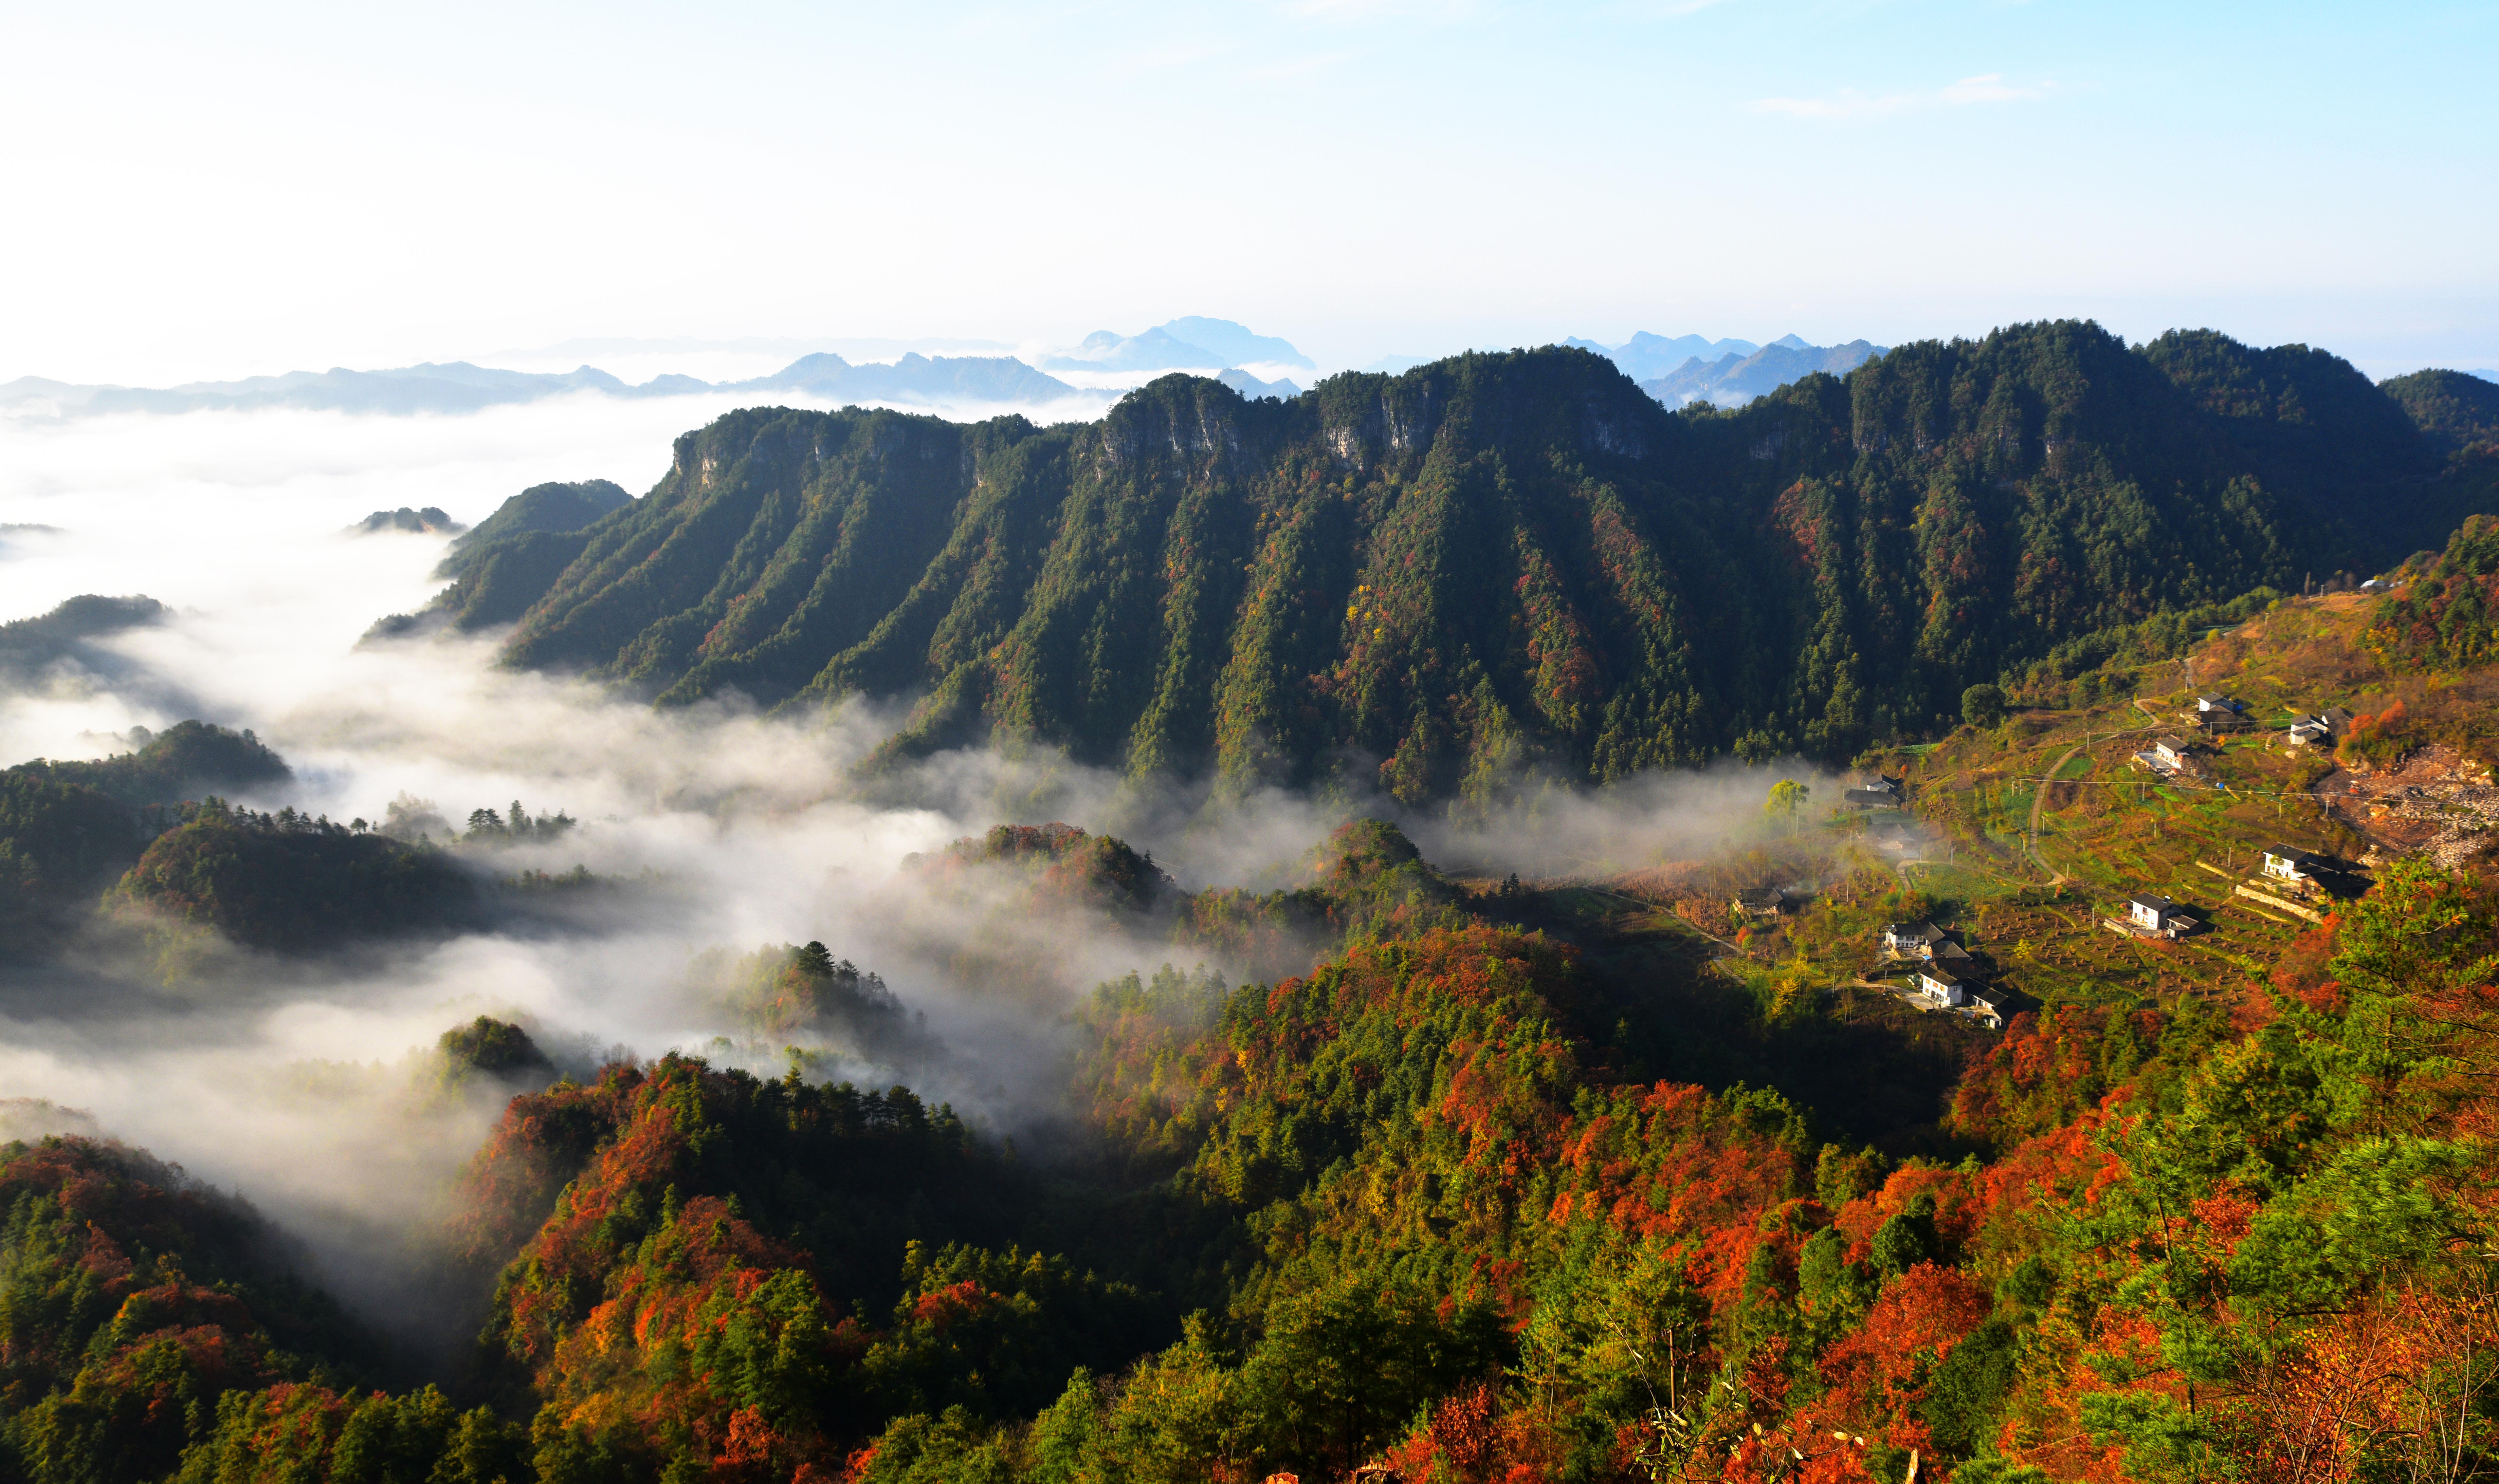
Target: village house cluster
{"type": "Point", "coordinates": [1947, 977]}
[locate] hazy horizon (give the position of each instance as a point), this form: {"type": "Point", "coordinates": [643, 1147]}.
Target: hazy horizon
{"type": "Point", "coordinates": [382, 193]}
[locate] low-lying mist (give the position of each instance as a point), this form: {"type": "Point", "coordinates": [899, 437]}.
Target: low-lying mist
{"type": "Point", "coordinates": [304, 1081]}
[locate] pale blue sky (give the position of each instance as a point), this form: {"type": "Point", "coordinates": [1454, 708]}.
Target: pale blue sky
{"type": "Point", "coordinates": [220, 191]}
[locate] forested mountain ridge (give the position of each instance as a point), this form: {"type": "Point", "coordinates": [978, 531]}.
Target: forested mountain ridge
{"type": "Point", "coordinates": [1491, 563]}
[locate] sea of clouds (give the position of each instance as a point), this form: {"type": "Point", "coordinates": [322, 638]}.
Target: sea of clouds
{"type": "Point", "coordinates": [290, 1081]}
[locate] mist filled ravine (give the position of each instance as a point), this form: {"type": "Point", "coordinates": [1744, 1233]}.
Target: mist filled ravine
{"type": "Point", "coordinates": [306, 1078]}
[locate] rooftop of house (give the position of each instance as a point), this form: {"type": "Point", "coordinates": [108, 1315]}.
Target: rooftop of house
{"type": "Point", "coordinates": [2173, 744]}
{"type": "Point", "coordinates": [2160, 904]}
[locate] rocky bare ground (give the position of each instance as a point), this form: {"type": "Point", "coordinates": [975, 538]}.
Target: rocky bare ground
{"type": "Point", "coordinates": [2435, 801]}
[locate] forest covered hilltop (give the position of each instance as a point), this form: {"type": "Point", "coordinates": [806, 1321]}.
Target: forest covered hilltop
{"type": "Point", "coordinates": [1493, 565]}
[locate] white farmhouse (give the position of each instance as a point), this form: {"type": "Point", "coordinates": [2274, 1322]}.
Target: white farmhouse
{"type": "Point", "coordinates": [1942, 987]}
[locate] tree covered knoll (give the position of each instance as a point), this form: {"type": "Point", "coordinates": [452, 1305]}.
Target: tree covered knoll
{"type": "Point", "coordinates": [68, 829]}
{"type": "Point", "coordinates": [287, 881]}
{"type": "Point", "coordinates": [146, 837]}
{"type": "Point", "coordinates": [1492, 563]}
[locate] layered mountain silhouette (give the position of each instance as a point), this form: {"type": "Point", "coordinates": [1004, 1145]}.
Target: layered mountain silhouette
{"type": "Point", "coordinates": [1192, 342]}
{"type": "Point", "coordinates": [1645, 356]}
{"type": "Point", "coordinates": [457, 386]}
{"type": "Point", "coordinates": [1248, 385]}
{"type": "Point", "coordinates": [1732, 378]}
{"type": "Point", "coordinates": [1493, 563]}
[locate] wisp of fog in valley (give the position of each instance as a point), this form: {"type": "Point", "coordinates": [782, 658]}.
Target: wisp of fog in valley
{"type": "Point", "coordinates": [300, 1082]}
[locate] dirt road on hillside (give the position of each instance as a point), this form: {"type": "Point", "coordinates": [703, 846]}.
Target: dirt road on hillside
{"type": "Point", "coordinates": [2039, 800]}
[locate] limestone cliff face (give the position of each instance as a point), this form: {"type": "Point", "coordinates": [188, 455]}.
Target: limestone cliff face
{"type": "Point", "coordinates": [1490, 562]}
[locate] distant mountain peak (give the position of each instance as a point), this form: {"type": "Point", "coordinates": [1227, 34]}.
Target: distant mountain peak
{"type": "Point", "coordinates": [1732, 380]}
{"type": "Point", "coordinates": [1235, 343]}
{"type": "Point", "coordinates": [1192, 342]}
{"type": "Point", "coordinates": [1645, 355]}
{"type": "Point", "coordinates": [1248, 385]}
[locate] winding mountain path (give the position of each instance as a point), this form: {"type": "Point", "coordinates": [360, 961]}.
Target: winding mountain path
{"type": "Point", "coordinates": [2039, 798]}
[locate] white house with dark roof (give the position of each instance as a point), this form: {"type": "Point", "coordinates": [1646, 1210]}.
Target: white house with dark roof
{"type": "Point", "coordinates": [1914, 938]}
{"type": "Point", "coordinates": [2289, 863]}
{"type": "Point", "coordinates": [1942, 987]}
{"type": "Point", "coordinates": [2148, 916]}
{"type": "Point", "coordinates": [1948, 954]}
{"type": "Point", "coordinates": [2171, 751]}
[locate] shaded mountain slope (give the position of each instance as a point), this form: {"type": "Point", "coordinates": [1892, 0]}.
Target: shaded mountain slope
{"type": "Point", "coordinates": [2455, 408]}
{"type": "Point", "coordinates": [555, 505]}
{"type": "Point", "coordinates": [499, 569]}
{"type": "Point", "coordinates": [2303, 420]}
{"type": "Point", "coordinates": [1492, 563]}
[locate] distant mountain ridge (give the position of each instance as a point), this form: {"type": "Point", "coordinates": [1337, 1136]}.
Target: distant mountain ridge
{"type": "Point", "coordinates": [1732, 379]}
{"type": "Point", "coordinates": [1686, 368]}
{"type": "Point", "coordinates": [1248, 385]}
{"type": "Point", "coordinates": [1645, 355]}
{"type": "Point", "coordinates": [457, 386]}
{"type": "Point", "coordinates": [1192, 342]}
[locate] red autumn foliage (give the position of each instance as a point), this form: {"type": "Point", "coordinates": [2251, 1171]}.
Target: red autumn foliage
{"type": "Point", "coordinates": [1877, 1374]}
